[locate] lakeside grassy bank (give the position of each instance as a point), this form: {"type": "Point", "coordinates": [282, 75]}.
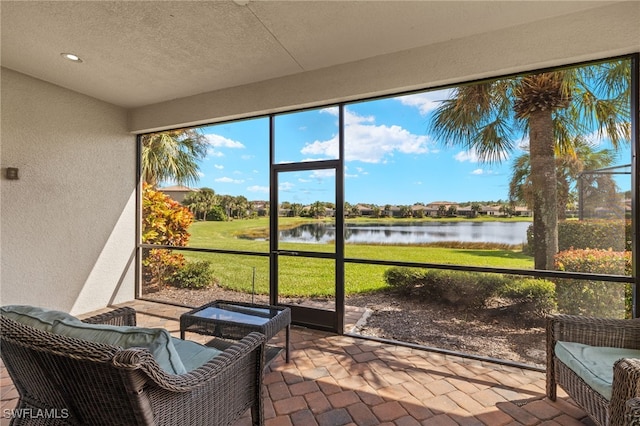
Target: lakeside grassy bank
{"type": "Point", "coordinates": [312, 277]}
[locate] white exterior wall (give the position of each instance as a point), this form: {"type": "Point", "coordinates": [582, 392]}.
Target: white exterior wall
{"type": "Point", "coordinates": [68, 224]}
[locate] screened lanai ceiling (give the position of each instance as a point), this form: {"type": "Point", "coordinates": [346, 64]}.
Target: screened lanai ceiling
{"type": "Point", "coordinates": [137, 53]}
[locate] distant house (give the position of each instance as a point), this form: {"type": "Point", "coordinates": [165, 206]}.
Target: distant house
{"type": "Point", "coordinates": [363, 209]}
{"type": "Point", "coordinates": [432, 209]}
{"type": "Point", "coordinates": [490, 210]}
{"type": "Point", "coordinates": [523, 211]}
{"type": "Point", "coordinates": [177, 192]}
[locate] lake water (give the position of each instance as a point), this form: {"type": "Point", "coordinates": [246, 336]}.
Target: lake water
{"type": "Point", "coordinates": [415, 233]}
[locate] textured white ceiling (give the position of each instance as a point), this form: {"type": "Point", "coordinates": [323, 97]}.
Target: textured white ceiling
{"type": "Point", "coordinates": [138, 53]}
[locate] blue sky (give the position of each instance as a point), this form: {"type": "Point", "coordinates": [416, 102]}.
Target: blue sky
{"type": "Point", "coordinates": [390, 157]}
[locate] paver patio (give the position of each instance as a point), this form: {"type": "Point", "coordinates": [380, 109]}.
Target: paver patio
{"type": "Point", "coordinates": [340, 380]}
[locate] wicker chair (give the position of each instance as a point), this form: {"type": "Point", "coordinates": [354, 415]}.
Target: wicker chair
{"type": "Point", "coordinates": [624, 406]}
{"type": "Point", "coordinates": [67, 381]}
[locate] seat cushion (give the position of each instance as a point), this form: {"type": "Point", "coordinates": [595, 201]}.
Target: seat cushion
{"type": "Point", "coordinates": [40, 318]}
{"type": "Point", "coordinates": [193, 354]}
{"type": "Point", "coordinates": [594, 364]}
{"type": "Point", "coordinates": [156, 340]}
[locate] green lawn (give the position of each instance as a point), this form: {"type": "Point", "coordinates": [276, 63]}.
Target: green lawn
{"type": "Point", "coordinates": [307, 277]}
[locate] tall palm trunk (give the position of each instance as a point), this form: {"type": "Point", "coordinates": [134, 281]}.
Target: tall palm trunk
{"type": "Point", "coordinates": [543, 182]}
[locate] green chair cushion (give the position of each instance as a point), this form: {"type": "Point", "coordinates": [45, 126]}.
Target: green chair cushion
{"type": "Point", "coordinates": [193, 354]}
{"type": "Point", "coordinates": [594, 364]}
{"type": "Point", "coordinates": [42, 319]}
{"type": "Point", "coordinates": [157, 340]}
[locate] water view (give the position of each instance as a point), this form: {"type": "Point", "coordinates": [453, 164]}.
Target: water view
{"type": "Point", "coordinates": [413, 233]}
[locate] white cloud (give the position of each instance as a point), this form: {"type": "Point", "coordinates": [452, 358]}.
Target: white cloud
{"type": "Point", "coordinates": [470, 156]}
{"type": "Point", "coordinates": [218, 166]}
{"type": "Point", "coordinates": [483, 172]}
{"type": "Point", "coordinates": [218, 141]}
{"type": "Point", "coordinates": [286, 186]}
{"type": "Point", "coordinates": [321, 174]}
{"type": "Point", "coordinates": [229, 180]}
{"type": "Point", "coordinates": [426, 101]}
{"type": "Point", "coordinates": [258, 188]}
{"type": "Point", "coordinates": [368, 142]}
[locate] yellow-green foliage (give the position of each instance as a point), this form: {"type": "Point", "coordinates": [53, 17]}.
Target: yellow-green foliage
{"type": "Point", "coordinates": [589, 297]}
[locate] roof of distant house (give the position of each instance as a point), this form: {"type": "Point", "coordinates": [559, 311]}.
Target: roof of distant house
{"type": "Point", "coordinates": [177, 188]}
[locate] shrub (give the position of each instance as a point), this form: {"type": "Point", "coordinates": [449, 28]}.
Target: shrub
{"type": "Point", "coordinates": [217, 214]}
{"type": "Point", "coordinates": [473, 289]}
{"type": "Point", "coordinates": [196, 274]}
{"type": "Point", "coordinates": [588, 297]}
{"type": "Point", "coordinates": [595, 234]}
{"type": "Point", "coordinates": [536, 296]}
{"type": "Point", "coordinates": [159, 265]}
{"type": "Point", "coordinates": [164, 221]}
{"type": "Point", "coordinates": [404, 280]}
{"type": "Point", "coordinates": [464, 289]}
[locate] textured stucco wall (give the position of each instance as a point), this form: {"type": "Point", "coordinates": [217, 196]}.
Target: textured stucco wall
{"type": "Point", "coordinates": [68, 224]}
{"type": "Point", "coordinates": [592, 34]}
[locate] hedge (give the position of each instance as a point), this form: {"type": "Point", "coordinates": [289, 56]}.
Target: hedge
{"type": "Point", "coordinates": [594, 298]}
{"type": "Point", "coordinates": [472, 289]}
{"type": "Point", "coordinates": [594, 234]}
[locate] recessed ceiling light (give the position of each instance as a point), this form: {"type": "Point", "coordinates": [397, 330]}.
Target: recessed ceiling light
{"type": "Point", "coordinates": [71, 57]}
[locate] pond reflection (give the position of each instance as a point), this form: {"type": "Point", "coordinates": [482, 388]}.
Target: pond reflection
{"type": "Point", "coordinates": [414, 233]}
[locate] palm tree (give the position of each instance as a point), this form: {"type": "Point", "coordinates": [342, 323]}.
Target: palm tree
{"type": "Point", "coordinates": [172, 155]}
{"type": "Point", "coordinates": [475, 208]}
{"type": "Point", "coordinates": [553, 108]}
{"type": "Point", "coordinates": [202, 201]}
{"type": "Point", "coordinates": [569, 166]}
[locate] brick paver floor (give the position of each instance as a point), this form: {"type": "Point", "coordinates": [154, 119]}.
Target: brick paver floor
{"type": "Point", "coordinates": [337, 380]}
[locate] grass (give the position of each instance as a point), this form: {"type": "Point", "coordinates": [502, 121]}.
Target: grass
{"type": "Point", "coordinates": [313, 277]}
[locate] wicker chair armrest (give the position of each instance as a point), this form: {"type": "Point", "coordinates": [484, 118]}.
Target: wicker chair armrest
{"type": "Point", "coordinates": [620, 333]}
{"type": "Point", "coordinates": [625, 391]}
{"type": "Point", "coordinates": [632, 412]}
{"type": "Point", "coordinates": [239, 352]}
{"type": "Point", "coordinates": [119, 316]}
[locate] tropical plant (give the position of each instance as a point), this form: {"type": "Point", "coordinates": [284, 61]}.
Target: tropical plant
{"type": "Point", "coordinates": [405, 211]}
{"type": "Point", "coordinates": [569, 167]}
{"type": "Point", "coordinates": [201, 202]}
{"type": "Point", "coordinates": [164, 222]}
{"type": "Point", "coordinates": [475, 208]}
{"type": "Point", "coordinates": [172, 155]}
{"type": "Point", "coordinates": [553, 108]}
{"type": "Point", "coordinates": [317, 210]}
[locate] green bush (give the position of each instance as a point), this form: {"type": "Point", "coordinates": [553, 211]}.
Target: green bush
{"type": "Point", "coordinates": [160, 265]}
{"type": "Point", "coordinates": [463, 289]}
{"type": "Point", "coordinates": [166, 222]}
{"type": "Point", "coordinates": [404, 280]}
{"type": "Point", "coordinates": [217, 214]}
{"type": "Point", "coordinates": [534, 295]}
{"type": "Point", "coordinates": [473, 289]}
{"type": "Point", "coordinates": [588, 297]}
{"type": "Point", "coordinates": [193, 275]}
{"type": "Point", "coordinates": [594, 234]}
